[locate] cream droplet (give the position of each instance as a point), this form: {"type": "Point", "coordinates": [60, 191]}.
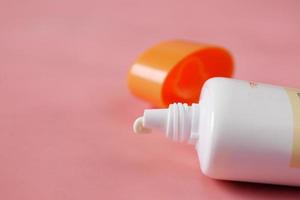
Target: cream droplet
{"type": "Point", "coordinates": [139, 128]}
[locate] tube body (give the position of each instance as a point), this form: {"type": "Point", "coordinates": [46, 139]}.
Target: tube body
{"type": "Point", "coordinates": [248, 132]}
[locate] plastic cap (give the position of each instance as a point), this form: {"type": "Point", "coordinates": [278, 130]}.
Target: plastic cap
{"type": "Point", "coordinates": [174, 71]}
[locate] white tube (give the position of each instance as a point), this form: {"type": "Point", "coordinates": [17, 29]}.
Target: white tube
{"type": "Point", "coordinates": [242, 130]}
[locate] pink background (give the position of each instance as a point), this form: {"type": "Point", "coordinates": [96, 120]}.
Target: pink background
{"type": "Point", "coordinates": [66, 113]}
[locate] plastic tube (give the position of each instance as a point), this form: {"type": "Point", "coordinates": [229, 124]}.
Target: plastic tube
{"type": "Point", "coordinates": [242, 130]}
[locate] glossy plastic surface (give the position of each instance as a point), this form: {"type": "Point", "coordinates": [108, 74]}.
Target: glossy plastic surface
{"type": "Point", "coordinates": [246, 132]}
{"type": "Point", "coordinates": [174, 71]}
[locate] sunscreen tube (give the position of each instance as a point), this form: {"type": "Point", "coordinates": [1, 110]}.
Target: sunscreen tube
{"type": "Point", "coordinates": [242, 131]}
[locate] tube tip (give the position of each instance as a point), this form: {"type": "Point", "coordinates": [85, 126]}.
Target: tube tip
{"type": "Point", "coordinates": [138, 126]}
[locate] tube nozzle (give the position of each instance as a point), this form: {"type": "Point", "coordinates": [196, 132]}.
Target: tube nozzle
{"type": "Point", "coordinates": [178, 122]}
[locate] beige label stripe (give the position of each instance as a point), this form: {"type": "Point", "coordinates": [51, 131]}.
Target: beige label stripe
{"type": "Point", "coordinates": [294, 97]}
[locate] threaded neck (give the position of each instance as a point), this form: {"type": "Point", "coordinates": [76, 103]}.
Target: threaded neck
{"type": "Point", "coordinates": [178, 126]}
{"type": "Point", "coordinates": [183, 122]}
{"type": "Point", "coordinates": [180, 122]}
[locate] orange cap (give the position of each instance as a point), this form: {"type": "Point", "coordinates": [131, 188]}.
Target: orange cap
{"type": "Point", "coordinates": [174, 71]}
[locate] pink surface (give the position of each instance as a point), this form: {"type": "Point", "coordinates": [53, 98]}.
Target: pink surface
{"type": "Point", "coordinates": [66, 113]}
